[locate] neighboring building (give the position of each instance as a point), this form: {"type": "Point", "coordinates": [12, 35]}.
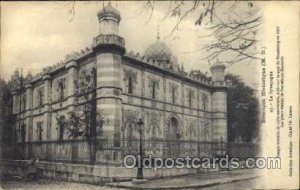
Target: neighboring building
{"type": "Point", "coordinates": [174, 105]}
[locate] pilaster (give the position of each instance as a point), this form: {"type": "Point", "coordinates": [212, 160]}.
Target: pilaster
{"type": "Point", "coordinates": [29, 102]}
{"type": "Point", "coordinates": [71, 67]}
{"type": "Point", "coordinates": [47, 104]}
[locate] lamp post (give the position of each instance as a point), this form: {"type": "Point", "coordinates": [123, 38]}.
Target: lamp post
{"type": "Point", "coordinates": [140, 166]}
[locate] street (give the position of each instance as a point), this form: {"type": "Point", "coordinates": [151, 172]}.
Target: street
{"type": "Point", "coordinates": [245, 184]}
{"type": "Point", "coordinates": [47, 184]}
{"type": "Point", "coordinates": [51, 185]}
{"type": "Point", "coordinates": [239, 179]}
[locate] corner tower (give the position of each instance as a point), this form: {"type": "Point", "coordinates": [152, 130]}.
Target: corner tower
{"type": "Point", "coordinates": [219, 102]}
{"type": "Point", "coordinates": [109, 48]}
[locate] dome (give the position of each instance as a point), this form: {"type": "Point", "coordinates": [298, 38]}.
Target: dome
{"type": "Point", "coordinates": [160, 52]}
{"type": "Point", "coordinates": [109, 11]}
{"type": "Point", "coordinates": [217, 65]}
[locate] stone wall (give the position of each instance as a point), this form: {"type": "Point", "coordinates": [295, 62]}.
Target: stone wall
{"type": "Point", "coordinates": [89, 174]}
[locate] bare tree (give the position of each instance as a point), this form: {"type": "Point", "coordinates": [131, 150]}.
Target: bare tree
{"type": "Point", "coordinates": [233, 25]}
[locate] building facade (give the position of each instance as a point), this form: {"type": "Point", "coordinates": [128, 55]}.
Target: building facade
{"type": "Point", "coordinates": [174, 105]}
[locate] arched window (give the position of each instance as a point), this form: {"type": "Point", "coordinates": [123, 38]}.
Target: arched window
{"type": "Point", "coordinates": [24, 103]}
{"type": "Point", "coordinates": [131, 136]}
{"type": "Point", "coordinates": [205, 101]}
{"type": "Point", "coordinates": [191, 132]}
{"type": "Point", "coordinates": [173, 95]}
{"type": "Point", "coordinates": [39, 129]}
{"type": "Point", "coordinates": [40, 97]}
{"type": "Point", "coordinates": [60, 91]}
{"type": "Point", "coordinates": [205, 131]}
{"type": "Point", "coordinates": [190, 99]}
{"type": "Point", "coordinates": [23, 133]}
{"type": "Point", "coordinates": [62, 124]}
{"type": "Point", "coordinates": [129, 85]}
{"type": "Point", "coordinates": [173, 136]}
{"type": "Point", "coordinates": [153, 90]}
{"type": "Point", "coordinates": [154, 144]}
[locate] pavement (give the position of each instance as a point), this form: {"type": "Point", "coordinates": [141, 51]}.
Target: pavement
{"type": "Point", "coordinates": [191, 181]}
{"type": "Point", "coordinates": [238, 179]}
{"type": "Point", "coordinates": [48, 184]}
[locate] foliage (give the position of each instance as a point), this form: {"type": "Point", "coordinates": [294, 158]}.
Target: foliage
{"type": "Point", "coordinates": [85, 121]}
{"type": "Point", "coordinates": [242, 109]}
{"type": "Point", "coordinates": [6, 118]}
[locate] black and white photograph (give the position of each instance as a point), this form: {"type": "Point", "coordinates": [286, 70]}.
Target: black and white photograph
{"type": "Point", "coordinates": [149, 95]}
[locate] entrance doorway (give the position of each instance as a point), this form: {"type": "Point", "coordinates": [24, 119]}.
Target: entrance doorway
{"type": "Point", "coordinates": [173, 138]}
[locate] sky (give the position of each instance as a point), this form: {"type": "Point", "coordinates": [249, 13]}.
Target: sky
{"type": "Point", "coordinates": [35, 35]}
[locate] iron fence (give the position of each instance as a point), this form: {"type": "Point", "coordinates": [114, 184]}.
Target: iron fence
{"type": "Point", "coordinates": [79, 151]}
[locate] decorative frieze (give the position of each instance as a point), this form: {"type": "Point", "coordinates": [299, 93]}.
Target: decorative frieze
{"type": "Point", "coordinates": [205, 130]}
{"type": "Point", "coordinates": [153, 121]}
{"type": "Point", "coordinates": [129, 117]}
{"type": "Point", "coordinates": [191, 129]}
